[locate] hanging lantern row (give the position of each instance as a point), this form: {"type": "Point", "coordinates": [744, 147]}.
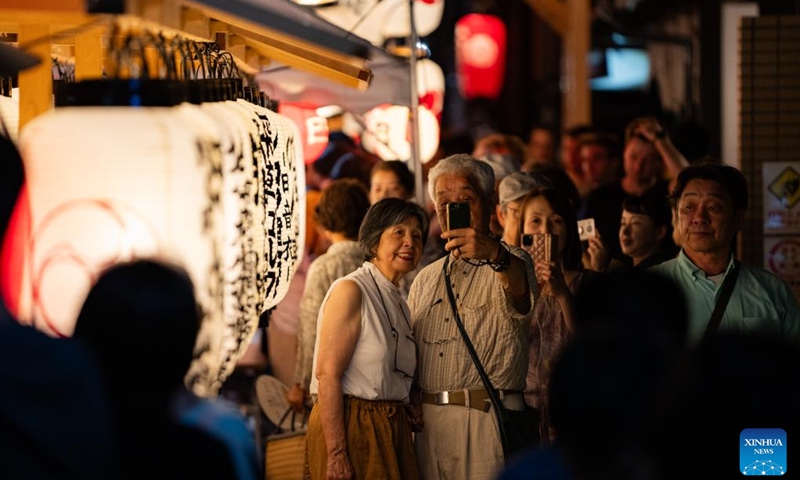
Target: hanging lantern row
{"type": "Point", "coordinates": [211, 187]}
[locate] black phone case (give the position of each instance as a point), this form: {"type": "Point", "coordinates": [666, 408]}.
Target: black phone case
{"type": "Point", "coordinates": [458, 215]}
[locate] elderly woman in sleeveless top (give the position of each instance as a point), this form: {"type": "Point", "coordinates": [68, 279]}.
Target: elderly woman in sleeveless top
{"type": "Point", "coordinates": [365, 357]}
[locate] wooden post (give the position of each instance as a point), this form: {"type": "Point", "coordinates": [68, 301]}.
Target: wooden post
{"type": "Point", "coordinates": [35, 84]}
{"type": "Point", "coordinates": [89, 54]}
{"type": "Point", "coordinates": [576, 93]}
{"type": "Point", "coordinates": [572, 20]}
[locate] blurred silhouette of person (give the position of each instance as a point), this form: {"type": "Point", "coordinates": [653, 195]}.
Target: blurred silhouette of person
{"type": "Point", "coordinates": [571, 160]}
{"type": "Point", "coordinates": [733, 381]}
{"type": "Point", "coordinates": [558, 178]}
{"type": "Point", "coordinates": [391, 179]}
{"type": "Point", "coordinates": [342, 158]}
{"type": "Point", "coordinates": [606, 384]}
{"type": "Point", "coordinates": [541, 148]}
{"type": "Point", "coordinates": [54, 420]}
{"type": "Point", "coordinates": [505, 154]}
{"type": "Point", "coordinates": [140, 320]}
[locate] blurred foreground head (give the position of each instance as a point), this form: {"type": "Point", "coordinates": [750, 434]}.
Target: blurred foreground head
{"type": "Point", "coordinates": [609, 380]}
{"type": "Point", "coordinates": [141, 321]}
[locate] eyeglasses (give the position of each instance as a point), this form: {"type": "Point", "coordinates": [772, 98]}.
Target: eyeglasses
{"type": "Point", "coordinates": [513, 210]}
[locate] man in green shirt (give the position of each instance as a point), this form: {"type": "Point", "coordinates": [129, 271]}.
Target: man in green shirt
{"type": "Point", "coordinates": [709, 203]}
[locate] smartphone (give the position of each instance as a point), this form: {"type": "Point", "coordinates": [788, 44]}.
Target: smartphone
{"type": "Point", "coordinates": [544, 247]}
{"type": "Point", "coordinates": [458, 215]}
{"type": "Point", "coordinates": [586, 229]}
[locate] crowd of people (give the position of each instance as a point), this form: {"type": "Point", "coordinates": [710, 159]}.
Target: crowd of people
{"type": "Point", "coordinates": [617, 341]}
{"type": "Point", "coordinates": [592, 340]}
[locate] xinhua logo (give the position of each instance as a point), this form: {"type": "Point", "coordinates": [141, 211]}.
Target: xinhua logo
{"type": "Point", "coordinates": [762, 451]}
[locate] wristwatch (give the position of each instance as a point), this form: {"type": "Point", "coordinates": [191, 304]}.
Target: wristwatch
{"type": "Point", "coordinates": [661, 133]}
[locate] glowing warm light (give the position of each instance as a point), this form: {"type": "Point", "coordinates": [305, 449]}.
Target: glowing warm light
{"type": "Point", "coordinates": [313, 128]}
{"type": "Point", "coordinates": [379, 20]}
{"type": "Point", "coordinates": [388, 133]}
{"type": "Point", "coordinates": [430, 86]}
{"type": "Point", "coordinates": [480, 55]}
{"type": "Point", "coordinates": [213, 188]}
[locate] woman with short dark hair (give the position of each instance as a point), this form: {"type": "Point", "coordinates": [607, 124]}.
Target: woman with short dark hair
{"type": "Point", "coordinates": [366, 356]}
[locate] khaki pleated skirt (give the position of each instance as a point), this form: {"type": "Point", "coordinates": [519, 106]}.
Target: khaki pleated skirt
{"type": "Point", "coordinates": [379, 441]}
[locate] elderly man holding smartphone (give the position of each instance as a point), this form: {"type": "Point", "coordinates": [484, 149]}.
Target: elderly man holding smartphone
{"type": "Point", "coordinates": [494, 288]}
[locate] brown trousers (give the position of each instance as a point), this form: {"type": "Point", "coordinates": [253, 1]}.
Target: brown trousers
{"type": "Point", "coordinates": [379, 441]}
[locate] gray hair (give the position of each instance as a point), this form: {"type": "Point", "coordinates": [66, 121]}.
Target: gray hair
{"type": "Point", "coordinates": [385, 213]}
{"type": "Point", "coordinates": [479, 174]}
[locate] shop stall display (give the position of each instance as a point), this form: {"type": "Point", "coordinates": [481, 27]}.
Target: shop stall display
{"type": "Point", "coordinates": [212, 186]}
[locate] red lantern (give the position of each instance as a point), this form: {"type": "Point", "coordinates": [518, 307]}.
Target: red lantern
{"type": "Point", "coordinates": [313, 128]}
{"type": "Point", "coordinates": [12, 263]}
{"type": "Point", "coordinates": [480, 55]}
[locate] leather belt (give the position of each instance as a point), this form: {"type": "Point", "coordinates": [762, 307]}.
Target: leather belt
{"type": "Point", "coordinates": [477, 398]}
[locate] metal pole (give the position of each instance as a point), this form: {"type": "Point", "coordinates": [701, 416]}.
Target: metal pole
{"type": "Point", "coordinates": [415, 161]}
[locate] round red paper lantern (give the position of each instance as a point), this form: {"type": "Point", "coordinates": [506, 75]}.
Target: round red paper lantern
{"type": "Point", "coordinates": [313, 128]}
{"type": "Point", "coordinates": [480, 55]}
{"type": "Point", "coordinates": [430, 86]}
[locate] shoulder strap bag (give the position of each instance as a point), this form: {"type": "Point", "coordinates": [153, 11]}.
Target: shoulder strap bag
{"type": "Point", "coordinates": [517, 428]}
{"type": "Point", "coordinates": [722, 301]}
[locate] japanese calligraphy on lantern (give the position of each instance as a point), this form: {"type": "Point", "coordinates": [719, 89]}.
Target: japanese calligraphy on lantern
{"type": "Point", "coordinates": [781, 195]}
{"type": "Point", "coordinates": [213, 188]}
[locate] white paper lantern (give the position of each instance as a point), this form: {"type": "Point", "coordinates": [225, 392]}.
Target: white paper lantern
{"type": "Point", "coordinates": [378, 20]}
{"type": "Point", "coordinates": [388, 133]}
{"type": "Point", "coordinates": [216, 188]}
{"type": "Point", "coordinates": [430, 86]}
{"type": "Point", "coordinates": [108, 185]}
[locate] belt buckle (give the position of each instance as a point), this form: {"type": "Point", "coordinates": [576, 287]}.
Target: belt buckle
{"type": "Point", "coordinates": [442, 398]}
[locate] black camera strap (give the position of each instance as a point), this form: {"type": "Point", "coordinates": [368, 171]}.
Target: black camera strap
{"type": "Point", "coordinates": [499, 408]}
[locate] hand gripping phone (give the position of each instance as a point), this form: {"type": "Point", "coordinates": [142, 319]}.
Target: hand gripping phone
{"type": "Point", "coordinates": [543, 247]}
{"type": "Point", "coordinates": [458, 215]}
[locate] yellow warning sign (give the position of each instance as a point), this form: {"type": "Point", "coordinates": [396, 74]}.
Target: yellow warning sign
{"type": "Point", "coordinates": [786, 187]}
